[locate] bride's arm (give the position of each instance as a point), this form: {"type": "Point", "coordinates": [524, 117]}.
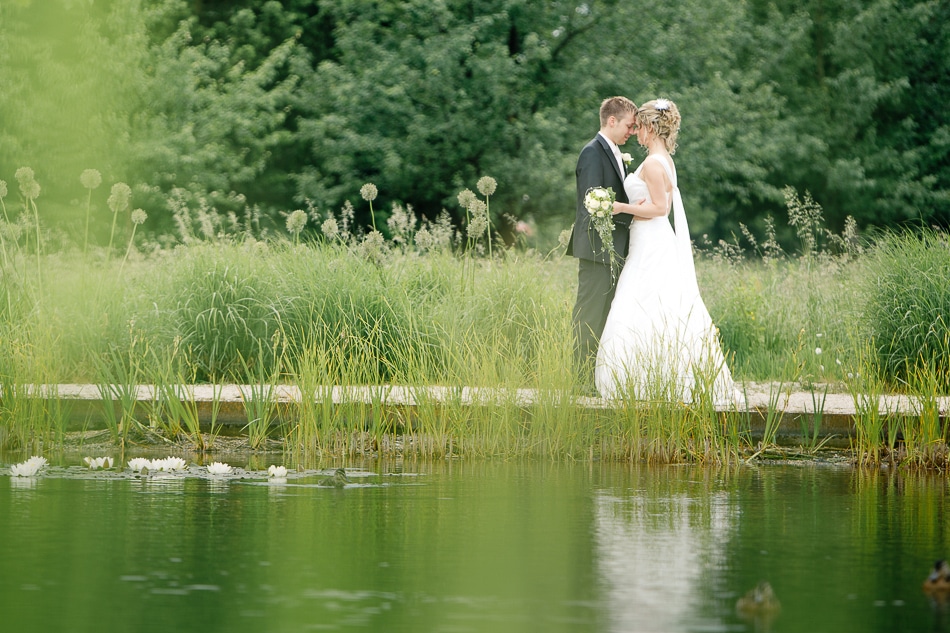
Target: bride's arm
{"type": "Point", "coordinates": [657, 182]}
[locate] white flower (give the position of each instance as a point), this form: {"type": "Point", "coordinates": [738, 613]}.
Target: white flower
{"type": "Point", "coordinates": [662, 104]}
{"type": "Point", "coordinates": [818, 351]}
{"type": "Point", "coordinates": [95, 463]}
{"type": "Point", "coordinates": [369, 192]}
{"type": "Point", "coordinates": [139, 464]}
{"type": "Point", "coordinates": [169, 464]}
{"type": "Point", "coordinates": [219, 468]}
{"type": "Point", "coordinates": [626, 158]}
{"type": "Point", "coordinates": [28, 468]}
{"type": "Point", "coordinates": [276, 471]}
{"type": "Point", "coordinates": [486, 185]}
{"type": "Point", "coordinates": [139, 216]}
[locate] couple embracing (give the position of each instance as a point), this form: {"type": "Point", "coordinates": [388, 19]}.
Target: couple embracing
{"type": "Point", "coordinates": [644, 333]}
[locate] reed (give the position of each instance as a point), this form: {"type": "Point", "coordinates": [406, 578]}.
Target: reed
{"type": "Point", "coordinates": [867, 389]}
{"type": "Point", "coordinates": [773, 421]}
{"type": "Point", "coordinates": [29, 418]}
{"type": "Point", "coordinates": [119, 377]}
{"type": "Point", "coordinates": [811, 425]}
{"type": "Point", "coordinates": [924, 436]}
{"type": "Point", "coordinates": [259, 397]}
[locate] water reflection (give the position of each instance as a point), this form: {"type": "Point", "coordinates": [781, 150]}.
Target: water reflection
{"type": "Point", "coordinates": [656, 544]}
{"type": "Point", "coordinates": [23, 483]}
{"type": "Point", "coordinates": [475, 546]}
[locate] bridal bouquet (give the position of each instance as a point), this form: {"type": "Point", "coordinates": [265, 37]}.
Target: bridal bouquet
{"type": "Point", "coordinates": [599, 202]}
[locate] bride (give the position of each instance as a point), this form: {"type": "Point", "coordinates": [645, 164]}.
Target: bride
{"type": "Point", "coordinates": [659, 342]}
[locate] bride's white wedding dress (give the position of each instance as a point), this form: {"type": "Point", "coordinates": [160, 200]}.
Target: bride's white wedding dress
{"type": "Point", "coordinates": [659, 342]}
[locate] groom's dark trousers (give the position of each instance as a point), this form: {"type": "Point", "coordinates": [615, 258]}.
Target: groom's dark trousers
{"type": "Point", "coordinates": [596, 167]}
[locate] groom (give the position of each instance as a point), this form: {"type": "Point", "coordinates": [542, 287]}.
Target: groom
{"type": "Point", "coordinates": [599, 165]}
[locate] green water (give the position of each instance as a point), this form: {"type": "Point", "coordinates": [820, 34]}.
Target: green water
{"type": "Point", "coordinates": [484, 546]}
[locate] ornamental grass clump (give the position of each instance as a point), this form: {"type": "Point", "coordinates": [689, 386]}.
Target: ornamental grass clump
{"type": "Point", "coordinates": [907, 304]}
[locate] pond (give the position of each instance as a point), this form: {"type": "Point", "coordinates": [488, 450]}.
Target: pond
{"type": "Point", "coordinates": [470, 546]}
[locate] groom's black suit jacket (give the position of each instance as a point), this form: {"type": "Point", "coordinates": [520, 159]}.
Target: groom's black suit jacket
{"type": "Point", "coordinates": [597, 167]}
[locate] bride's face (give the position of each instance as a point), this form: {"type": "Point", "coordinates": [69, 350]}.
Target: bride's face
{"type": "Point", "coordinates": [643, 134]}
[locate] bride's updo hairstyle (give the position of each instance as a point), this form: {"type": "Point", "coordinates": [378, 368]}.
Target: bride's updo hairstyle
{"type": "Point", "coordinates": [663, 118]}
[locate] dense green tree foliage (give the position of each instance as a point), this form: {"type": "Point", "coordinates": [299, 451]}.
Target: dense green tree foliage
{"type": "Point", "coordinates": [258, 108]}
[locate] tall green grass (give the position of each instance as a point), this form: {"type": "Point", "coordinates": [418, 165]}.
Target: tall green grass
{"type": "Point", "coordinates": [906, 288]}
{"type": "Point", "coordinates": [350, 311]}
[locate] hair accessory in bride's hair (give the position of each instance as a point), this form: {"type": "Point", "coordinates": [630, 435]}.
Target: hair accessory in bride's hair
{"type": "Point", "coordinates": [661, 105]}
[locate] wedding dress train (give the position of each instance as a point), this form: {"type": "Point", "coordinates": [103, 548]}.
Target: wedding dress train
{"type": "Point", "coordinates": [659, 342]}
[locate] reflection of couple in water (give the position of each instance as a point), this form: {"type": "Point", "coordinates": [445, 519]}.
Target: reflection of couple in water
{"type": "Point", "coordinates": [645, 334]}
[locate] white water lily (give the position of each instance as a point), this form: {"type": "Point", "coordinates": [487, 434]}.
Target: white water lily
{"type": "Point", "coordinates": [277, 471]}
{"type": "Point", "coordinates": [139, 464]}
{"type": "Point", "coordinates": [95, 463]}
{"type": "Point", "coordinates": [219, 468]}
{"type": "Point", "coordinates": [28, 468]}
{"type": "Point", "coordinates": [172, 463]}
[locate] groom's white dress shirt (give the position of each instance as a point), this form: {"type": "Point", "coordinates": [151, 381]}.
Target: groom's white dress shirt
{"type": "Point", "coordinates": [616, 151]}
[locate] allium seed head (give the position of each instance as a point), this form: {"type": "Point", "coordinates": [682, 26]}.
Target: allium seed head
{"type": "Point", "coordinates": [139, 216]}
{"type": "Point", "coordinates": [465, 198]}
{"type": "Point", "coordinates": [369, 192]}
{"type": "Point", "coordinates": [119, 199]}
{"type": "Point", "coordinates": [424, 239]}
{"type": "Point", "coordinates": [24, 175]}
{"type": "Point", "coordinates": [30, 190]}
{"type": "Point", "coordinates": [486, 185]}
{"type": "Point", "coordinates": [90, 178]}
{"type": "Point", "coordinates": [330, 228]}
{"type": "Point", "coordinates": [296, 221]}
{"type": "Point", "coordinates": [478, 207]}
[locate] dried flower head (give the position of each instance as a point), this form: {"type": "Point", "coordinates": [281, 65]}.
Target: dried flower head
{"type": "Point", "coordinates": [28, 185]}
{"type": "Point", "coordinates": [30, 190]}
{"type": "Point", "coordinates": [296, 221]}
{"type": "Point", "coordinates": [373, 247]}
{"type": "Point", "coordinates": [424, 239]}
{"type": "Point", "coordinates": [24, 175]}
{"type": "Point", "coordinates": [478, 207]}
{"type": "Point", "coordinates": [564, 237]}
{"type": "Point", "coordinates": [477, 225]}
{"type": "Point", "coordinates": [90, 178]}
{"type": "Point", "coordinates": [465, 198]}
{"type": "Point", "coordinates": [486, 185]}
{"type": "Point", "coordinates": [330, 229]}
{"type": "Point", "coordinates": [369, 192]}
{"type": "Point", "coordinates": [120, 196]}
{"type": "Point", "coordinates": [139, 216]}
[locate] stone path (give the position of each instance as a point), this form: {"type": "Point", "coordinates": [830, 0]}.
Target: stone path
{"type": "Point", "coordinates": [837, 409]}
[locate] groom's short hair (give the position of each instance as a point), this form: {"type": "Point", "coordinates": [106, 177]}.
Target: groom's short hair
{"type": "Point", "coordinates": [616, 107]}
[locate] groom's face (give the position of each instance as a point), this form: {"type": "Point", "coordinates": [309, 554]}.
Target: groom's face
{"type": "Point", "coordinates": [622, 129]}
